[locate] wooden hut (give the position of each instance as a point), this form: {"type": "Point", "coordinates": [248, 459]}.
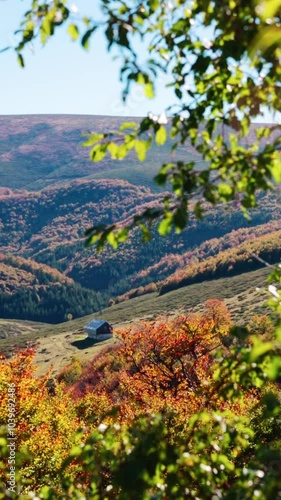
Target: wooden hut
{"type": "Point", "coordinates": [98, 329]}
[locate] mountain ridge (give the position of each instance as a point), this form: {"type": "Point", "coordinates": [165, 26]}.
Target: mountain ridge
{"type": "Point", "coordinates": [38, 150]}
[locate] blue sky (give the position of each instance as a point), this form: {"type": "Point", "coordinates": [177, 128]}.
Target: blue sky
{"type": "Point", "coordinates": [63, 78]}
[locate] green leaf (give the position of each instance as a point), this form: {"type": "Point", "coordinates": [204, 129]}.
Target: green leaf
{"type": "Point", "coordinates": [260, 349]}
{"type": "Point", "coordinates": [180, 219]}
{"type": "Point", "coordinates": [122, 235]}
{"type": "Point", "coordinates": [223, 459]}
{"type": "Point", "coordinates": [178, 93]}
{"type": "Point", "coordinates": [113, 150]}
{"type": "Point", "coordinates": [128, 125]}
{"type": "Point", "coordinates": [225, 191]}
{"type": "Point", "coordinates": [75, 451]}
{"type": "Point", "coordinates": [47, 26]}
{"type": "Point", "coordinates": [276, 170]}
{"type": "Point", "coordinates": [73, 31]}
{"type": "Point", "coordinates": [201, 64]}
{"type": "Point", "coordinates": [140, 148]}
{"type": "Point", "coordinates": [122, 151]}
{"type": "Point", "coordinates": [93, 138]}
{"type": "Point", "coordinates": [111, 238]}
{"type": "Point", "coordinates": [154, 4]}
{"type": "Point", "coordinates": [43, 36]}
{"type": "Point", "coordinates": [274, 368]}
{"type": "Point", "coordinates": [198, 210]}
{"type": "Point", "coordinates": [165, 225]}
{"type": "Point", "coordinates": [20, 60]}
{"type": "Point", "coordinates": [146, 234]}
{"type": "Point", "coordinates": [92, 240]}
{"type": "Point", "coordinates": [161, 136]}
{"type": "Point", "coordinates": [161, 178]}
{"type": "Point", "coordinates": [241, 332]}
{"type": "Point", "coordinates": [97, 154]}
{"type": "Point", "coordinates": [85, 41]}
{"type": "Point", "coordinates": [269, 9]}
{"type": "Point", "coordinates": [266, 37]}
{"type": "Point", "coordinates": [148, 90]}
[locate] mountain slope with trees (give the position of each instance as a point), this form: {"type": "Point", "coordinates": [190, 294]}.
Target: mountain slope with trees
{"type": "Point", "coordinates": [37, 151]}
{"type": "Point", "coordinates": [37, 292]}
{"type": "Point", "coordinates": [41, 150]}
{"type": "Point", "coordinates": [48, 226]}
{"type": "Point", "coordinates": [236, 260]}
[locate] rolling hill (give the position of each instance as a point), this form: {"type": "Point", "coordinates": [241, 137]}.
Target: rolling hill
{"type": "Point", "coordinates": [47, 226]}
{"type": "Point", "coordinates": [229, 262]}
{"type": "Point", "coordinates": [37, 292]}
{"type": "Point", "coordinates": [41, 150]}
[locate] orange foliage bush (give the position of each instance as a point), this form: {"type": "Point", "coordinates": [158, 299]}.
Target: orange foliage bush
{"type": "Point", "coordinates": [45, 423]}
{"type": "Point", "coordinates": [161, 366]}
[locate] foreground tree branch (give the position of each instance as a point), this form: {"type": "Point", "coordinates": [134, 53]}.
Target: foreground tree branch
{"type": "Point", "coordinates": [223, 61]}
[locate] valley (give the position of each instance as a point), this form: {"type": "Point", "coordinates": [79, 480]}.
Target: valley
{"type": "Point", "coordinates": [48, 276]}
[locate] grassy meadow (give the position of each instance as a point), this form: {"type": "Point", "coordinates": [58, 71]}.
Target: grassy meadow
{"type": "Point", "coordinates": [57, 344]}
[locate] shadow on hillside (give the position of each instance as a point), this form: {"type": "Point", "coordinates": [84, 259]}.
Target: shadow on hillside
{"type": "Point", "coordinates": [83, 344]}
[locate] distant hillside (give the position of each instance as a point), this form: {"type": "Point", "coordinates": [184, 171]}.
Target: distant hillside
{"type": "Point", "coordinates": [237, 260]}
{"type": "Point", "coordinates": [225, 256]}
{"type": "Point", "coordinates": [14, 329]}
{"type": "Point", "coordinates": [41, 150]}
{"type": "Point", "coordinates": [48, 227]}
{"type": "Point", "coordinates": [39, 293]}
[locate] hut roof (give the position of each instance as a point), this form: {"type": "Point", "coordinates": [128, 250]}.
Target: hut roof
{"type": "Point", "coordinates": [95, 323]}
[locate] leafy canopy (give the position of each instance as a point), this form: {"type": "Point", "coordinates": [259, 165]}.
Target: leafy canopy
{"type": "Point", "coordinates": [223, 60]}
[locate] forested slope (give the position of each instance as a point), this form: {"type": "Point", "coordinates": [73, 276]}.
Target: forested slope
{"type": "Point", "coordinates": [37, 292]}
{"type": "Point", "coordinates": [237, 260]}
{"type": "Point", "coordinates": [48, 227]}
{"type": "Point", "coordinates": [37, 151]}
{"type": "Point", "coordinates": [41, 150]}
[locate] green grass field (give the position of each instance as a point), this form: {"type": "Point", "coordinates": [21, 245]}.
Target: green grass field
{"type": "Point", "coordinates": [13, 329]}
{"type": "Point", "coordinates": [57, 344]}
